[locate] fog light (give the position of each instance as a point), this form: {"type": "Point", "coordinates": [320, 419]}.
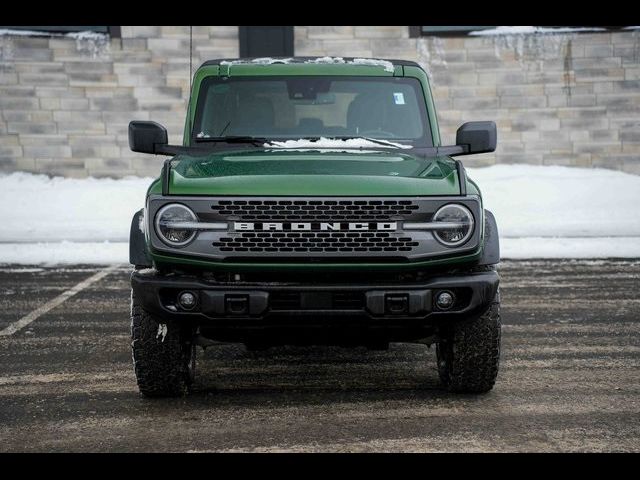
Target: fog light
{"type": "Point", "coordinates": [444, 300]}
{"type": "Point", "coordinates": [187, 300]}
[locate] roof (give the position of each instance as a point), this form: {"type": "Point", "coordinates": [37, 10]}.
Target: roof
{"type": "Point", "coordinates": [305, 60]}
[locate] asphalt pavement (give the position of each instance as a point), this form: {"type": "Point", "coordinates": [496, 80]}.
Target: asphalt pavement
{"type": "Point", "coordinates": [569, 378]}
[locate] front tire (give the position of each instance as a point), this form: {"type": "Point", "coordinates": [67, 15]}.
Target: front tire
{"type": "Point", "coordinates": [469, 354]}
{"type": "Point", "coordinates": [163, 355]}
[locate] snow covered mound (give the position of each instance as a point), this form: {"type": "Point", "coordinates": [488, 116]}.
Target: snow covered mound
{"type": "Point", "coordinates": [542, 212]}
{"type": "Point", "coordinates": [64, 253]}
{"type": "Point", "coordinates": [37, 208]}
{"type": "Point", "coordinates": [546, 201]}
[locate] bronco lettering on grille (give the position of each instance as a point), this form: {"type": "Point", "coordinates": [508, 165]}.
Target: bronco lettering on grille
{"type": "Point", "coordinates": [315, 226]}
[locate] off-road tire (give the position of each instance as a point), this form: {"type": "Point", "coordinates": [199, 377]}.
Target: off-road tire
{"type": "Point", "coordinates": [163, 360]}
{"type": "Point", "coordinates": [469, 354]}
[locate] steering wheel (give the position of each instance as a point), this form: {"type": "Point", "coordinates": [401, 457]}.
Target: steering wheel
{"type": "Point", "coordinates": [373, 133]}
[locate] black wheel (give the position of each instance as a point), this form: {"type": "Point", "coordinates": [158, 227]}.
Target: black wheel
{"type": "Point", "coordinates": [469, 353]}
{"type": "Point", "coordinates": [163, 355]}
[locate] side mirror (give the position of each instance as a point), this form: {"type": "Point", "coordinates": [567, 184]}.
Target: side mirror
{"type": "Point", "coordinates": [146, 137]}
{"type": "Point", "coordinates": [478, 137]}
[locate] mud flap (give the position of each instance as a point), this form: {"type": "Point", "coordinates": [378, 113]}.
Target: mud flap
{"type": "Point", "coordinates": [138, 255]}
{"type": "Point", "coordinates": [491, 251]}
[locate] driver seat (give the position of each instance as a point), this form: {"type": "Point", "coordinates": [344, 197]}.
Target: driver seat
{"type": "Point", "coordinates": [365, 113]}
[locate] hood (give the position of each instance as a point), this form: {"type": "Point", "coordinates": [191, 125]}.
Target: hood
{"type": "Point", "coordinates": [313, 172]}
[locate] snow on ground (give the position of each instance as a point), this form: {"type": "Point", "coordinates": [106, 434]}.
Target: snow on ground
{"type": "Point", "coordinates": [36, 208]}
{"type": "Point", "coordinates": [542, 212]}
{"type": "Point", "coordinates": [536, 201]}
{"type": "Point", "coordinates": [569, 247]}
{"type": "Point", "coordinates": [64, 253]}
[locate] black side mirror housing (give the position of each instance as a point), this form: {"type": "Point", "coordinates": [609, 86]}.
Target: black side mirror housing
{"type": "Point", "coordinates": [477, 137]}
{"type": "Point", "coordinates": [147, 137]}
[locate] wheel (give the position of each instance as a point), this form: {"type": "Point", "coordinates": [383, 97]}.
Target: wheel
{"type": "Point", "coordinates": [163, 355]}
{"type": "Point", "coordinates": [469, 354]}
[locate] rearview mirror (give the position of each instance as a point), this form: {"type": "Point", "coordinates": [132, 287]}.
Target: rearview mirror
{"type": "Point", "coordinates": [147, 137]}
{"type": "Point", "coordinates": [477, 137]}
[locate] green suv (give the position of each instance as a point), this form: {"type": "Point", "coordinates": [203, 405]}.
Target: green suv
{"type": "Point", "coordinates": [312, 202]}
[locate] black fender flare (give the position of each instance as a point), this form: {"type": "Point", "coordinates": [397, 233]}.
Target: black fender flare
{"type": "Point", "coordinates": [138, 253]}
{"type": "Point", "coordinates": [491, 250]}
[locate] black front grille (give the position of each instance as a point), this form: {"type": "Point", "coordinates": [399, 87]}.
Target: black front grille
{"type": "Point", "coordinates": [348, 300]}
{"type": "Point", "coordinates": [316, 242]}
{"type": "Point", "coordinates": [317, 300]}
{"type": "Point", "coordinates": [285, 300]}
{"type": "Point", "coordinates": [314, 229]}
{"type": "Point", "coordinates": [320, 210]}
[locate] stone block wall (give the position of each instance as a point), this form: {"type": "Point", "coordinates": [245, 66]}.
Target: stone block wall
{"type": "Point", "coordinates": [558, 99]}
{"type": "Point", "coordinates": [65, 103]}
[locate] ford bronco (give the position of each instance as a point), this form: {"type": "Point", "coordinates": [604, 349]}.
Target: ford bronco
{"type": "Point", "coordinates": [312, 202]}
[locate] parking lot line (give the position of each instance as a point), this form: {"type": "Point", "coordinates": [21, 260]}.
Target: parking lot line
{"type": "Point", "coordinates": [38, 312]}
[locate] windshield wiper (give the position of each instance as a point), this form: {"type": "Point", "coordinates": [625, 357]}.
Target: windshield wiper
{"type": "Point", "coordinates": [258, 141]}
{"type": "Point", "coordinates": [369, 139]}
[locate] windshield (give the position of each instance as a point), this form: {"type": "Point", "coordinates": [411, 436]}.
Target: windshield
{"type": "Point", "coordinates": [294, 107]}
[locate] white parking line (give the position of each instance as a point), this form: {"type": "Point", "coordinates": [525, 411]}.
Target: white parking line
{"type": "Point", "coordinates": [38, 312]}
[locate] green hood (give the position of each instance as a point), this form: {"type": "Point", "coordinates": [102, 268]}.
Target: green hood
{"type": "Point", "coordinates": [313, 172]}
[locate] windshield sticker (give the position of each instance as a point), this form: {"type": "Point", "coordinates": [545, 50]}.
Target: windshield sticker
{"type": "Point", "coordinates": [398, 97]}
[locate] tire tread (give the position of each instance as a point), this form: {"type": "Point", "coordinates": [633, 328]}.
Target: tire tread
{"type": "Point", "coordinates": [473, 353]}
{"type": "Point", "coordinates": [160, 365]}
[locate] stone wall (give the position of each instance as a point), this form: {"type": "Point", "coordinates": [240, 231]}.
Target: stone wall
{"type": "Point", "coordinates": [65, 103]}
{"type": "Point", "coordinates": [558, 99]}
{"type": "Point", "coordinates": [562, 99]}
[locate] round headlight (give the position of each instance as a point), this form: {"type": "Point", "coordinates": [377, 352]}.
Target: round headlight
{"type": "Point", "coordinates": [168, 220]}
{"type": "Point", "coordinates": [459, 224]}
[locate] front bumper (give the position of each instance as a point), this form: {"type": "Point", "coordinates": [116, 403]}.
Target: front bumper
{"type": "Point", "coordinates": [264, 304]}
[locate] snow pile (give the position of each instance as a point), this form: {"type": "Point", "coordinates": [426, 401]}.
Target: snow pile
{"type": "Point", "coordinates": [387, 65]}
{"type": "Point", "coordinates": [338, 143]}
{"type": "Point", "coordinates": [37, 208]}
{"type": "Point", "coordinates": [327, 60]}
{"type": "Point", "coordinates": [569, 247]}
{"type": "Point", "coordinates": [562, 212]}
{"type": "Point", "coordinates": [542, 212]}
{"type": "Point", "coordinates": [372, 62]}
{"type": "Point", "coordinates": [257, 61]}
{"type": "Point", "coordinates": [548, 201]}
{"type": "Point", "coordinates": [64, 253]}
{"type": "Point", "coordinates": [525, 30]}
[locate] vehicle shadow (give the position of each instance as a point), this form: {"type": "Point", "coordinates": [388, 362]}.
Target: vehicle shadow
{"type": "Point", "coordinates": [315, 374]}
